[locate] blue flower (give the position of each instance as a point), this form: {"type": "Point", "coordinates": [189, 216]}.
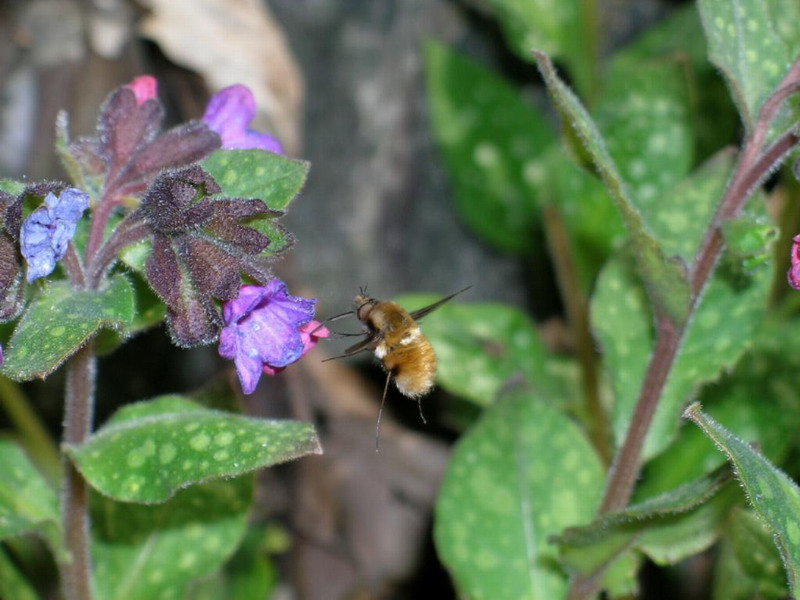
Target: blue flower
{"type": "Point", "coordinates": [229, 112]}
{"type": "Point", "coordinates": [48, 230]}
{"type": "Point", "coordinates": [266, 329]}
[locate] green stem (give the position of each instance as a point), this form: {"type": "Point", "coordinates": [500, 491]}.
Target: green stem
{"type": "Point", "coordinates": [78, 413]}
{"type": "Point", "coordinates": [577, 308]}
{"type": "Point", "coordinates": [38, 443]}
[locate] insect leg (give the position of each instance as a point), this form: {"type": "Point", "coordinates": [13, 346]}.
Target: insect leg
{"type": "Point", "coordinates": [380, 414]}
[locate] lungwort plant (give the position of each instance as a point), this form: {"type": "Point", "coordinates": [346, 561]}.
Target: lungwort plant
{"type": "Point", "coordinates": [670, 249]}
{"type": "Point", "coordinates": [179, 225]}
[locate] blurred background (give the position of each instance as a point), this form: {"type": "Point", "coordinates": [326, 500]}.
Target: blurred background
{"type": "Point", "coordinates": [342, 83]}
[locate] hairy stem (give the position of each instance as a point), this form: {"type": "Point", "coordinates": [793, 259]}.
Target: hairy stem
{"type": "Point", "coordinates": [78, 411]}
{"type": "Point", "coordinates": [129, 231]}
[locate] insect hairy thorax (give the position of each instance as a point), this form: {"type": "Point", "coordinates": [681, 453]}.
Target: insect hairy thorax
{"type": "Point", "coordinates": [404, 351]}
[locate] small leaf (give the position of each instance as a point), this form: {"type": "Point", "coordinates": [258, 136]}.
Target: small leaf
{"type": "Point", "coordinates": [524, 472]}
{"type": "Point", "coordinates": [773, 495]}
{"type": "Point", "coordinates": [258, 174]}
{"type": "Point", "coordinates": [11, 187]}
{"type": "Point", "coordinates": [492, 141]}
{"type": "Point", "coordinates": [149, 450]}
{"type": "Point", "coordinates": [59, 321]}
{"type": "Point", "coordinates": [480, 347]}
{"type": "Point", "coordinates": [27, 503]}
{"type": "Point", "coordinates": [664, 279]}
{"type": "Point", "coordinates": [667, 528]}
{"type": "Point", "coordinates": [745, 45]}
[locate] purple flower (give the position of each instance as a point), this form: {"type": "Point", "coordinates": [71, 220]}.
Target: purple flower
{"type": "Point", "coordinates": [229, 112]}
{"type": "Point", "coordinates": [48, 230]}
{"type": "Point", "coordinates": [794, 271]}
{"type": "Point", "coordinates": [266, 329]}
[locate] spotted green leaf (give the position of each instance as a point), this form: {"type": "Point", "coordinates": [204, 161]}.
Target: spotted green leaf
{"type": "Point", "coordinates": [664, 279]}
{"type": "Point", "coordinates": [149, 450]}
{"type": "Point", "coordinates": [666, 528]}
{"type": "Point", "coordinates": [144, 552]}
{"type": "Point", "coordinates": [772, 494]}
{"type": "Point", "coordinates": [744, 42]}
{"type": "Point", "coordinates": [12, 583]}
{"type": "Point", "coordinates": [722, 329]}
{"type": "Point", "coordinates": [524, 472]}
{"type": "Point", "coordinates": [480, 347]}
{"type": "Point", "coordinates": [758, 569]}
{"type": "Point", "coordinates": [27, 503]}
{"type": "Point", "coordinates": [270, 177]}
{"type": "Point", "coordinates": [492, 141]}
{"type": "Point", "coordinates": [553, 26]}
{"type": "Point", "coordinates": [59, 320]}
{"type": "Point", "coordinates": [758, 399]}
{"type": "Point", "coordinates": [645, 114]}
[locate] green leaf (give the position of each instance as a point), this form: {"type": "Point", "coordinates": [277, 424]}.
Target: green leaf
{"type": "Point", "coordinates": [773, 495]}
{"type": "Point", "coordinates": [27, 503]}
{"type": "Point", "coordinates": [11, 187]}
{"type": "Point", "coordinates": [559, 27]}
{"type": "Point", "coordinates": [145, 552]}
{"type": "Point", "coordinates": [718, 335]}
{"type": "Point", "coordinates": [664, 279]}
{"type": "Point", "coordinates": [270, 177]}
{"type": "Point", "coordinates": [481, 347]}
{"type": "Point", "coordinates": [745, 44]}
{"type": "Point", "coordinates": [149, 450]}
{"type": "Point", "coordinates": [667, 528]}
{"type": "Point", "coordinates": [754, 550]}
{"type": "Point", "coordinates": [645, 112]}
{"type": "Point", "coordinates": [768, 369]}
{"type": "Point", "coordinates": [594, 225]}
{"type": "Point", "coordinates": [493, 142]}
{"type": "Point", "coordinates": [59, 320]}
{"type": "Point", "coordinates": [524, 472]}
{"type": "Point", "coordinates": [12, 583]}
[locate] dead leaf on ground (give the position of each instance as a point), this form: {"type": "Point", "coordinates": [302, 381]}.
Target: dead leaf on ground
{"type": "Point", "coordinates": [234, 41]}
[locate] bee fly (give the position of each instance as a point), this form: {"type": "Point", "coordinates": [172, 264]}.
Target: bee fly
{"type": "Point", "coordinates": [403, 350]}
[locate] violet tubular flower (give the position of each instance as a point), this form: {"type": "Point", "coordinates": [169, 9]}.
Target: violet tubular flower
{"type": "Point", "coordinates": [229, 112]}
{"type": "Point", "coordinates": [48, 230]}
{"type": "Point", "coordinates": [266, 329]}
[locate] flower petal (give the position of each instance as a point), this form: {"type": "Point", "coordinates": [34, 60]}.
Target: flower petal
{"type": "Point", "coordinates": [48, 230]}
{"type": "Point", "coordinates": [229, 112]}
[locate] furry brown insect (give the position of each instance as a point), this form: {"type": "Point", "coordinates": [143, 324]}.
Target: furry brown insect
{"type": "Point", "coordinates": [399, 344]}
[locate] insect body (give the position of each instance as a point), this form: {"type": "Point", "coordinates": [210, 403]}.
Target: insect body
{"type": "Point", "coordinates": [397, 341]}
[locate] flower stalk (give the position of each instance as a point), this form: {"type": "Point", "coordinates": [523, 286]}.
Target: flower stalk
{"type": "Point", "coordinates": [78, 413]}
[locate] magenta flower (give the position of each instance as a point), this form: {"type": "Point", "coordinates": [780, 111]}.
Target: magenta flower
{"type": "Point", "coordinates": [229, 112]}
{"type": "Point", "coordinates": [144, 87]}
{"type": "Point", "coordinates": [266, 329]}
{"type": "Point", "coordinates": [48, 230]}
{"type": "Point", "coordinates": [794, 270]}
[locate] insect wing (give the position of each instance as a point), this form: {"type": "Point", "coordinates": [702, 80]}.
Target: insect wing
{"type": "Point", "coordinates": [418, 314]}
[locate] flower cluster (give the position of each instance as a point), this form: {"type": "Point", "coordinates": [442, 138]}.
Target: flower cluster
{"type": "Point", "coordinates": [149, 186]}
